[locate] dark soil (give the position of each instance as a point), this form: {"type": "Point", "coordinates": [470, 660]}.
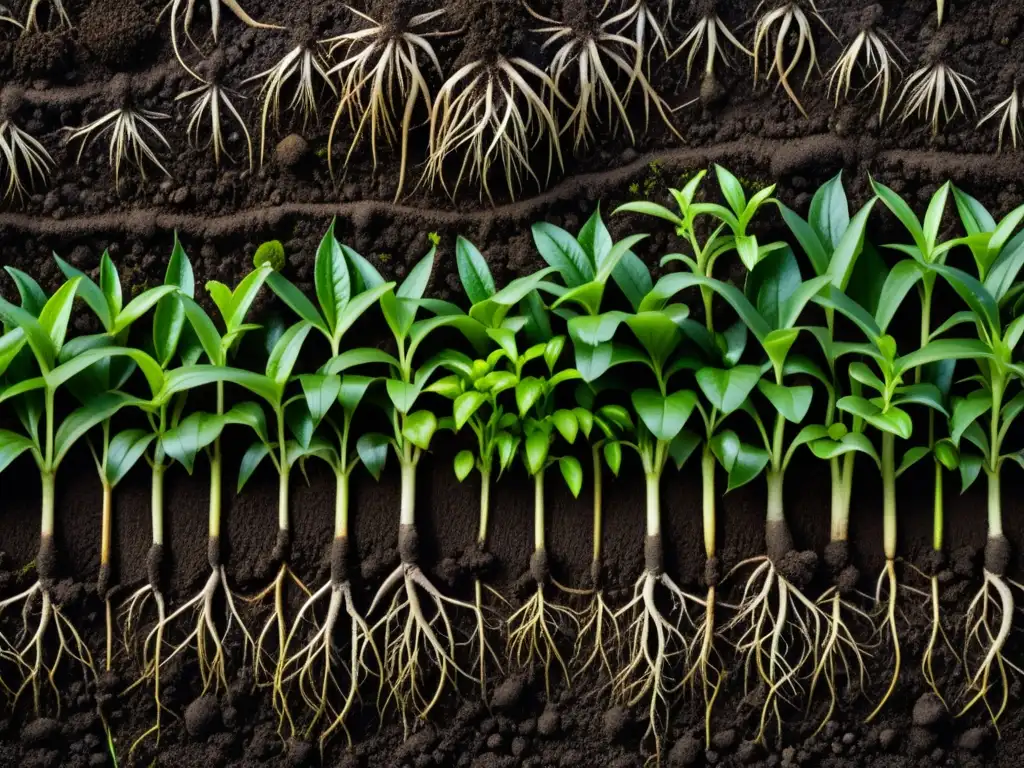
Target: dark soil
{"type": "Point", "coordinates": [70, 78]}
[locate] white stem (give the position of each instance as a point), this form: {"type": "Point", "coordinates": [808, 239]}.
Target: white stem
{"type": "Point", "coordinates": [538, 511]}
{"type": "Point", "coordinates": [341, 506]}
{"type": "Point", "coordinates": [282, 500]}
{"type": "Point", "coordinates": [653, 505]}
{"type": "Point", "coordinates": [776, 513]}
{"type": "Point", "coordinates": [47, 479]}
{"type": "Point", "coordinates": [408, 516]}
{"type": "Point", "coordinates": [995, 514]}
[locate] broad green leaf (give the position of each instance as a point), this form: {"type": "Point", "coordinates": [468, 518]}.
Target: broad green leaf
{"type": "Point", "coordinates": [528, 392]}
{"type": "Point", "coordinates": [244, 295]}
{"type": "Point", "coordinates": [566, 423]}
{"type": "Point", "coordinates": [403, 395]}
{"type": "Point", "coordinates": [286, 352]}
{"type": "Point", "coordinates": [851, 441]}
{"type": "Point", "coordinates": [770, 285]}
{"type": "Point", "coordinates": [683, 446]}
{"type": "Point", "coordinates": [56, 313]}
{"type": "Point", "coordinates": [862, 373]}
{"type": "Point", "coordinates": [894, 420]}
{"type": "Point", "coordinates": [942, 349]}
{"type": "Point", "coordinates": [975, 217]}
{"type": "Point", "coordinates": [795, 304]}
{"type": "Point", "coordinates": [473, 271]}
{"type": "Point", "coordinates": [849, 247]}
{"type": "Point", "coordinates": [169, 318]}
{"type": "Point", "coordinates": [664, 416]}
{"type": "Point", "coordinates": [124, 452]}
{"type": "Point", "coordinates": [829, 213]}
{"type": "Point", "coordinates": [205, 331]}
{"type": "Point", "coordinates": [595, 239]}
{"type": "Point", "coordinates": [364, 275]}
{"type": "Point", "coordinates": [933, 216]}
{"type": "Point", "coordinates": [110, 284]}
{"type": "Point", "coordinates": [353, 388]}
{"type": "Point", "coordinates": [732, 190]}
{"type": "Point", "coordinates": [149, 367]}
{"type": "Point", "coordinates": [416, 282]}
{"type": "Point", "coordinates": [911, 457]}
{"type": "Point", "coordinates": [1003, 274]}
{"type": "Point", "coordinates": [563, 252]}
{"type": "Point", "coordinates": [669, 285]}
{"type": "Point", "coordinates": [967, 410]}
{"type": "Point", "coordinates": [970, 468]}
{"type": "Point", "coordinates": [832, 298]}
{"type": "Point", "coordinates": [12, 445]}
{"type": "Point", "coordinates": [607, 266]}
{"type": "Point", "coordinates": [981, 302]}
{"type": "Point", "coordinates": [791, 402]}
{"type": "Point", "coordinates": [33, 299]}
{"type": "Point", "coordinates": [373, 452]}
{"type": "Point", "coordinates": [649, 209]}
{"type": "Point", "coordinates": [297, 302]}
{"type": "Point", "coordinates": [466, 405]}
{"type": "Point", "coordinates": [921, 394]}
{"type": "Point", "coordinates": [37, 338]}
{"type": "Point", "coordinates": [321, 392]}
{"type": "Point", "coordinates": [331, 278]}
{"type": "Point", "coordinates": [903, 212]}
{"type": "Point", "coordinates": [777, 345]}
{"type": "Point", "coordinates": [139, 306]}
{"type": "Point", "coordinates": [248, 414]}
{"type": "Point", "coordinates": [251, 460]}
{"type": "Point", "coordinates": [357, 357]}
{"type": "Point", "coordinates": [748, 251]}
{"type": "Point", "coordinates": [809, 239]}
{"type": "Point", "coordinates": [536, 451]}
{"type": "Point", "coordinates": [91, 293]}
{"type": "Point", "coordinates": [572, 472]}
{"type": "Point", "coordinates": [419, 428]}
{"type": "Point", "coordinates": [633, 278]}
{"type": "Point", "coordinates": [84, 418]}
{"type": "Point", "coordinates": [657, 333]}
{"type": "Point", "coordinates": [742, 462]}
{"type": "Point", "coordinates": [612, 451]}
{"type": "Point", "coordinates": [507, 444]}
{"type": "Point", "coordinates": [300, 422]}
{"type": "Point", "coordinates": [464, 463]}
{"type": "Point", "coordinates": [727, 389]}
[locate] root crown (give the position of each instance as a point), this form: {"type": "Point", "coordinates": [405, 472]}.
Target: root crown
{"type": "Point", "coordinates": [997, 555]}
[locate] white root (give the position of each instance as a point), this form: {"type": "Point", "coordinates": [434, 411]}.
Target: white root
{"type": "Point", "coordinates": [532, 629]}
{"type": "Point", "coordinates": [205, 635]}
{"type": "Point", "coordinates": [841, 654]}
{"type": "Point", "coordinates": [704, 661]}
{"type": "Point", "coordinates": [410, 633]}
{"type": "Point", "coordinates": [779, 641]}
{"type": "Point", "coordinates": [654, 643]}
{"type": "Point", "coordinates": [28, 652]}
{"type": "Point", "coordinates": [314, 664]}
{"type": "Point", "coordinates": [988, 625]}
{"type": "Point", "coordinates": [600, 623]}
{"type": "Point", "coordinates": [134, 609]}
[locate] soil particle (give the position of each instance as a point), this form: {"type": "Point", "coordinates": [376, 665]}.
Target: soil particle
{"type": "Point", "coordinates": [417, 744]}
{"type": "Point", "coordinates": [539, 569]}
{"type": "Point", "coordinates": [973, 739]}
{"type": "Point", "coordinates": [291, 151]}
{"type": "Point", "coordinates": [615, 721]}
{"type": "Point", "coordinates": [519, 746]}
{"type": "Point", "coordinates": [686, 751]}
{"type": "Point", "coordinates": [748, 752]}
{"type": "Point", "coordinates": [997, 555]}
{"type": "Point", "coordinates": [300, 753]}
{"type": "Point", "coordinates": [549, 723]}
{"type": "Point", "coordinates": [921, 740]}
{"type": "Point", "coordinates": [154, 565]}
{"type": "Point", "coordinates": [847, 580]}
{"type": "Point", "coordinates": [723, 741]}
{"type": "Point", "coordinates": [837, 557]}
{"type": "Point", "coordinates": [934, 562]}
{"type": "Point", "coordinates": [929, 711]}
{"type": "Point", "coordinates": [40, 731]}
{"type": "Point", "coordinates": [134, 27]}
{"type": "Point", "coordinates": [778, 540]}
{"type": "Point", "coordinates": [42, 53]}
{"type": "Point", "coordinates": [797, 567]}
{"type": "Point", "coordinates": [202, 717]}
{"type": "Point", "coordinates": [409, 544]}
{"type": "Point", "coordinates": [962, 562]}
{"type": "Point", "coordinates": [479, 562]}
{"type": "Point", "coordinates": [653, 555]}
{"type": "Point", "coordinates": [509, 693]}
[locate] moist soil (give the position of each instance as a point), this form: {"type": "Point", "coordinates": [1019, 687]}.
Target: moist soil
{"type": "Point", "coordinates": [67, 78]}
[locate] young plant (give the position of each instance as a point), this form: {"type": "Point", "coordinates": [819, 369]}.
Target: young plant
{"type": "Point", "coordinates": [788, 16]}
{"type": "Point", "coordinates": [778, 639]}
{"type": "Point", "coordinates": [596, 55]}
{"type": "Point", "coordinates": [414, 638]}
{"type": "Point", "coordinates": [315, 663]}
{"type": "Point", "coordinates": [870, 55]}
{"type": "Point", "coordinates": [489, 112]}
{"type": "Point", "coordinates": [22, 157]}
{"type": "Point", "coordinates": [127, 139]}
{"type": "Point", "coordinates": [534, 626]}
{"type": "Point", "coordinates": [210, 97]}
{"type": "Point", "coordinates": [1008, 112]}
{"type": "Point", "coordinates": [306, 64]}
{"type": "Point", "coordinates": [117, 454]}
{"type": "Point", "coordinates": [34, 375]}
{"type": "Point", "coordinates": [189, 7]}
{"type": "Point", "coordinates": [382, 82]}
{"type": "Point", "coordinates": [201, 432]}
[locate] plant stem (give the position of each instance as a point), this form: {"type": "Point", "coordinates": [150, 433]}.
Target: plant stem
{"type": "Point", "coordinates": [282, 500]}
{"type": "Point", "coordinates": [776, 513]}
{"type": "Point", "coordinates": [707, 470]}
{"type": "Point", "coordinates": [215, 489]}
{"type": "Point", "coordinates": [840, 520]}
{"type": "Point", "coordinates": [889, 494]}
{"type": "Point", "coordinates": [937, 513]}
{"type": "Point", "coordinates": [485, 506]}
{"type": "Point", "coordinates": [341, 506]}
{"type": "Point", "coordinates": [598, 516]}
{"type": "Point", "coordinates": [408, 508]}
{"type": "Point", "coordinates": [538, 512]}
{"type": "Point", "coordinates": [47, 481]}
{"type": "Point", "coordinates": [653, 504]}
{"type": "Point", "coordinates": [156, 503]}
{"type": "Point", "coordinates": [105, 524]}
{"type": "Point", "coordinates": [995, 515]}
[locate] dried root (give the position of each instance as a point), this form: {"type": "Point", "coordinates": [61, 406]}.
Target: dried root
{"type": "Point", "coordinates": [789, 16]}
{"type": "Point", "coordinates": [937, 93]}
{"type": "Point", "coordinates": [868, 54]}
{"type": "Point", "coordinates": [1008, 112]}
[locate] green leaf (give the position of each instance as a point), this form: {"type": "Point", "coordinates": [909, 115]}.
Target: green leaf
{"type": "Point", "coordinates": [507, 445]}
{"type": "Point", "coordinates": [832, 298]}
{"type": "Point", "coordinates": [244, 295]}
{"type": "Point", "coordinates": [970, 468]}
{"type": "Point", "coordinates": [664, 416]}
{"type": "Point", "coordinates": [777, 345]}
{"type": "Point", "coordinates": [403, 395]}
{"type": "Point", "coordinates": [911, 457]}
{"type": "Point", "coordinates": [65, 371]}
{"type": "Point", "coordinates": [894, 420]}
{"type": "Point", "coordinates": [33, 299]}
{"type": "Point", "coordinates": [321, 392]}
{"type": "Point", "coordinates": [169, 318]}
{"type": "Point", "coordinates": [356, 357]}
{"type": "Point", "coordinates": [250, 461]}
{"type": "Point", "coordinates": [251, 415]}
{"type": "Point", "coordinates": [921, 394]}
{"type": "Point", "coordinates": [84, 418]}
{"type": "Point", "coordinates": [727, 389]}
{"type": "Point", "coordinates": [902, 211]}
{"type": "Point", "coordinates": [464, 463]}
{"type": "Point", "coordinates": [849, 247]}
{"type": "Point", "coordinates": [682, 447]}
{"type": "Point", "coordinates": [981, 302]}
{"type": "Point", "coordinates": [297, 302]}
{"type": "Point", "coordinates": [528, 391]}
{"type": "Point", "coordinates": [595, 239]}
{"type": "Point", "coordinates": [808, 238]}
{"type": "Point", "coordinates": [633, 278]}
{"type": "Point", "coordinates": [829, 214]}
{"type": "Point", "coordinates": [612, 451]}
{"type": "Point", "coordinates": [732, 190]}
{"type": "Point", "coordinates": [942, 349]}
{"type": "Point", "coordinates": [947, 455]}
{"type": "Point", "coordinates": [466, 405]}
{"type": "Point", "coordinates": [770, 285]}
{"type": "Point", "coordinates": [566, 423]}
{"type": "Point", "coordinates": [749, 253]}
{"type": "Point", "coordinates": [364, 275]}
{"type": "Point", "coordinates": [416, 282]}
{"type": "Point", "coordinates": [657, 333]}
{"type": "Point", "coordinates": [648, 209]}
{"type": "Point", "coordinates": [606, 267]}
{"type": "Point", "coordinates": [1001, 277]}
{"type": "Point", "coordinates": [56, 313]}
{"type": "Point", "coordinates": [669, 285]}
{"type": "Point", "coordinates": [742, 462]}
{"type": "Point", "coordinates": [563, 252]}
{"type": "Point", "coordinates": [12, 445]}
{"type": "Point", "coordinates": [91, 293]}
{"type": "Point", "coordinates": [933, 216]}
{"type": "Point", "coordinates": [967, 410]}
{"type": "Point", "coordinates": [205, 330]}
{"type": "Point", "coordinates": [419, 429]}
{"type": "Point", "coordinates": [791, 402]}
{"type": "Point", "coordinates": [473, 271]}
{"type": "Point", "coordinates": [975, 217]}
{"type": "Point", "coordinates": [572, 472]}
{"type": "Point", "coordinates": [124, 452]}
{"type": "Point", "coordinates": [587, 297]}
{"type": "Point", "coordinates": [331, 278]}
{"type": "Point", "coordinates": [299, 421]}
{"type": "Point", "coordinates": [353, 388]}
{"type": "Point", "coordinates": [139, 306]}
{"type": "Point", "coordinates": [37, 338]}
{"type": "Point", "coordinates": [794, 305]}
{"type": "Point", "coordinates": [851, 441]}
{"type": "Point", "coordinates": [536, 451]}
{"type": "Point", "coordinates": [861, 373]}
{"type": "Point", "coordinates": [110, 284]}
{"type": "Point", "coordinates": [373, 452]}
{"type": "Point", "coordinates": [286, 352]}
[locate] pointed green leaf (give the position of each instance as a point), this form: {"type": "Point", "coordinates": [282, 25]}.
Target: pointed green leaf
{"type": "Point", "coordinates": [296, 300]}
{"type": "Point", "coordinates": [466, 405]}
{"type": "Point", "coordinates": [473, 271]}
{"type": "Point", "coordinates": [84, 418]}
{"type": "Point", "coordinates": [251, 460]}
{"type": "Point", "coordinates": [464, 463]}
{"type": "Point", "coordinates": [664, 416]}
{"type": "Point", "coordinates": [373, 452]}
{"type": "Point", "coordinates": [536, 451]}
{"type": "Point", "coordinates": [331, 278]}
{"type": "Point", "coordinates": [728, 389]}
{"type": "Point", "coordinates": [791, 402]}
{"type": "Point", "coordinates": [321, 392]}
{"type": "Point", "coordinates": [12, 445]}
{"type": "Point", "coordinates": [563, 252]}
{"type": "Point", "coordinates": [572, 472]}
{"type": "Point", "coordinates": [286, 352]}
{"type": "Point", "coordinates": [966, 411]}
{"type": "Point", "coordinates": [416, 282]}
{"type": "Point", "coordinates": [33, 299]}
{"type": "Point", "coordinates": [419, 428]}
{"type": "Point", "coordinates": [683, 446]}
{"type": "Point", "coordinates": [91, 293]}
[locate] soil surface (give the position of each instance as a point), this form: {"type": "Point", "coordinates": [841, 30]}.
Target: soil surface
{"type": "Point", "coordinates": [118, 53]}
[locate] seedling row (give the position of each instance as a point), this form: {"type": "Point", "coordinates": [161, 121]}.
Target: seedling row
{"type": "Point", "coordinates": [505, 119]}
{"type": "Point", "coordinates": [588, 357]}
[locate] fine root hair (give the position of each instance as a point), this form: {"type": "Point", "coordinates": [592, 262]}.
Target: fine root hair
{"type": "Point", "coordinates": [23, 160]}
{"type": "Point", "coordinates": [872, 54]}
{"type": "Point", "coordinates": [213, 102]}
{"type": "Point", "coordinates": [1008, 113]}
{"type": "Point", "coordinates": [705, 34]}
{"type": "Point", "coordinates": [789, 17]}
{"type": "Point", "coordinates": [127, 127]}
{"type": "Point", "coordinates": [187, 8]}
{"type": "Point", "coordinates": [936, 93]}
